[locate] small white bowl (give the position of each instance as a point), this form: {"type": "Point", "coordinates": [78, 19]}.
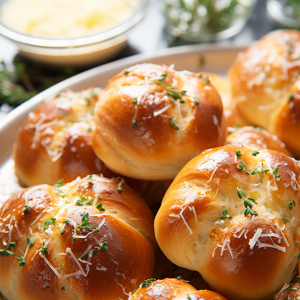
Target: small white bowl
{"type": "Point", "coordinates": [79, 51]}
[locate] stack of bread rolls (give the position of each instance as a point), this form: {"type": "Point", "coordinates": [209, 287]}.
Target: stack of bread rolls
{"type": "Point", "coordinates": [230, 203]}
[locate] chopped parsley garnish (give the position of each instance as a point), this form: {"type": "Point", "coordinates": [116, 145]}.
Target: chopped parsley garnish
{"type": "Point", "coordinates": [174, 123]}
{"type": "Point", "coordinates": [44, 249]}
{"type": "Point", "coordinates": [255, 152]}
{"type": "Point", "coordinates": [29, 242]}
{"type": "Point", "coordinates": [99, 206]}
{"type": "Point", "coordinates": [67, 222]}
{"type": "Point", "coordinates": [60, 193]}
{"type": "Point", "coordinates": [275, 173]}
{"type": "Point", "coordinates": [83, 257]}
{"type": "Point", "coordinates": [284, 218]}
{"type": "Point", "coordinates": [21, 261]}
{"type": "Point", "coordinates": [11, 245]}
{"type": "Point", "coordinates": [126, 72]}
{"type": "Point", "coordinates": [120, 190]}
{"type": "Point", "coordinates": [49, 222]}
{"type": "Point", "coordinates": [238, 153]}
{"type": "Point", "coordinates": [240, 193]}
{"type": "Point", "coordinates": [84, 221]}
{"type": "Point", "coordinates": [196, 100]}
{"type": "Point", "coordinates": [103, 247]}
{"type": "Point", "coordinates": [206, 79]}
{"type": "Point", "coordinates": [26, 208]}
{"type": "Point", "coordinates": [62, 231]}
{"type": "Point", "coordinates": [147, 282]}
{"type": "Point", "coordinates": [291, 204]}
{"type": "Point", "coordinates": [225, 215]}
{"type": "Point", "coordinates": [5, 252]}
{"type": "Point", "coordinates": [89, 227]}
{"type": "Point", "coordinates": [189, 297]}
{"type": "Point", "coordinates": [174, 95]}
{"type": "Point", "coordinates": [84, 201]}
{"type": "Point", "coordinates": [134, 102]}
{"type": "Point", "coordinates": [59, 183]}
{"type": "Point", "coordinates": [89, 177]}
{"type": "Point", "coordinates": [134, 124]}
{"type": "Point", "coordinates": [163, 77]}
{"type": "Point", "coordinates": [242, 166]}
{"type": "Point", "coordinates": [181, 279]}
{"type": "Point", "coordinates": [251, 211]}
{"type": "Point", "coordinates": [183, 92]}
{"type": "Point", "coordinates": [261, 172]}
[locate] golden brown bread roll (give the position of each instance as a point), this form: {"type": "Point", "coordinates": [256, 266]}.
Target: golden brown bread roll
{"type": "Point", "coordinates": [256, 139]}
{"type": "Point", "coordinates": [152, 120]}
{"type": "Point", "coordinates": [261, 79]}
{"type": "Point", "coordinates": [90, 239]}
{"type": "Point", "coordinates": [234, 217]}
{"type": "Point", "coordinates": [286, 121]}
{"type": "Point", "coordinates": [171, 289]}
{"type": "Point", "coordinates": [54, 142]}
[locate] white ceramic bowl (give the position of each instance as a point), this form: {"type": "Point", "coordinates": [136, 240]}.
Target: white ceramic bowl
{"type": "Point", "coordinates": [79, 51]}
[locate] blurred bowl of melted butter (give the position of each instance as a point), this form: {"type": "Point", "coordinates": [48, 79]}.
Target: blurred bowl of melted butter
{"type": "Point", "coordinates": [70, 32]}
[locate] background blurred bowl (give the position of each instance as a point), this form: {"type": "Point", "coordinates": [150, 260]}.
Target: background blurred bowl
{"type": "Point", "coordinates": [79, 51]}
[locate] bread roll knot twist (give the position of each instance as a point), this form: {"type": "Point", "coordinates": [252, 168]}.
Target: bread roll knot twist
{"type": "Point", "coordinates": [152, 120]}
{"type": "Point", "coordinates": [89, 239]}
{"type": "Point", "coordinates": [232, 215]}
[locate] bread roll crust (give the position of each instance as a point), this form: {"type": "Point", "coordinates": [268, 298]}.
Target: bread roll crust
{"type": "Point", "coordinates": [262, 75]}
{"type": "Point", "coordinates": [202, 225]}
{"type": "Point", "coordinates": [172, 289]}
{"type": "Point", "coordinates": [54, 142]}
{"type": "Point", "coordinates": [134, 134]}
{"type": "Point", "coordinates": [286, 121]}
{"type": "Point", "coordinates": [256, 139]}
{"type": "Point", "coordinates": [126, 226]}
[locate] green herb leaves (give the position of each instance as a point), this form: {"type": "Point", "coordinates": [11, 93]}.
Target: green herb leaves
{"type": "Point", "coordinates": [242, 166]}
{"type": "Point", "coordinates": [49, 222]}
{"type": "Point", "coordinates": [5, 252]}
{"type": "Point", "coordinates": [255, 152]}
{"type": "Point", "coordinates": [163, 77]}
{"type": "Point", "coordinates": [225, 215]}
{"type": "Point", "coordinates": [174, 123]}
{"type": "Point", "coordinates": [85, 221]}
{"type": "Point", "coordinates": [29, 242]}
{"type": "Point", "coordinates": [21, 261]}
{"type": "Point", "coordinates": [286, 220]}
{"type": "Point", "coordinates": [59, 183]}
{"type": "Point", "coordinates": [60, 193]}
{"type": "Point", "coordinates": [238, 153]}
{"type": "Point", "coordinates": [147, 282]}
{"type": "Point", "coordinates": [11, 245]}
{"type": "Point", "coordinates": [103, 247]}
{"type": "Point", "coordinates": [260, 170]}
{"type": "Point", "coordinates": [99, 206]}
{"type": "Point", "coordinates": [291, 203]}
{"type": "Point", "coordinates": [248, 203]}
{"type": "Point", "coordinates": [84, 201]}
{"type": "Point", "coordinates": [240, 193]}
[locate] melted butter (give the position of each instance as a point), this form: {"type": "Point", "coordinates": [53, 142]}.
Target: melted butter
{"type": "Point", "coordinates": [65, 18]}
